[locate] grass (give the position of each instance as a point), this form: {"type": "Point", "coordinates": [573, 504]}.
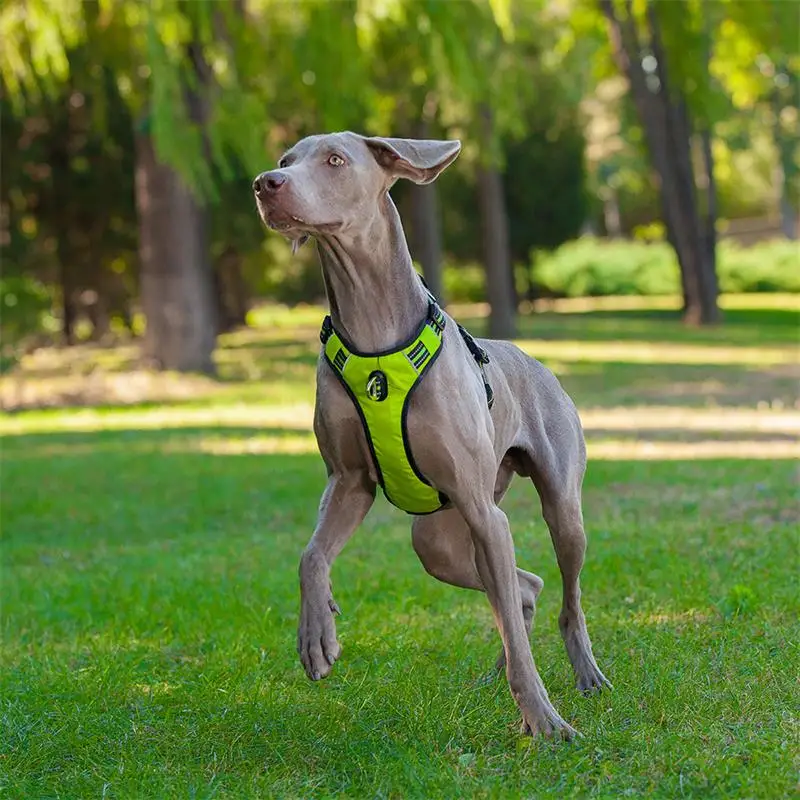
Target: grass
{"type": "Point", "coordinates": [150, 596]}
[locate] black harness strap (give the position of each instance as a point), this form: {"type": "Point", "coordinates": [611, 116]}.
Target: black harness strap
{"type": "Point", "coordinates": [481, 358]}
{"type": "Point", "coordinates": [478, 353]}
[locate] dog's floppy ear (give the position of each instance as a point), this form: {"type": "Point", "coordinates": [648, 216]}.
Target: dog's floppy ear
{"type": "Point", "coordinates": [419, 160]}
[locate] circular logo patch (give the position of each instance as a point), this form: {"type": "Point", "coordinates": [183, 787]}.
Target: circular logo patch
{"type": "Point", "coordinates": [377, 386]}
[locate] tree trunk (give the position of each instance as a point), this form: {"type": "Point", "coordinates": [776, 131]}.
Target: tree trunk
{"type": "Point", "coordinates": [68, 316]}
{"type": "Point", "coordinates": [426, 228]}
{"type": "Point", "coordinates": [686, 278]}
{"type": "Point", "coordinates": [231, 291]}
{"type": "Point", "coordinates": [785, 145]}
{"type": "Point", "coordinates": [611, 215]}
{"type": "Point", "coordinates": [710, 228]}
{"type": "Point", "coordinates": [788, 216]}
{"type": "Point", "coordinates": [664, 117]}
{"type": "Point", "coordinates": [63, 229]}
{"type": "Point", "coordinates": [702, 307]}
{"type": "Point", "coordinates": [175, 271]}
{"type": "Point", "coordinates": [177, 286]}
{"type": "Point", "coordinates": [712, 205]}
{"type": "Point", "coordinates": [495, 245]}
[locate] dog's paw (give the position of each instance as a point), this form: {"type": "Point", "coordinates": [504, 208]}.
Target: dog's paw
{"type": "Point", "coordinates": [548, 723]}
{"type": "Point", "coordinates": [317, 645]}
{"type": "Point", "coordinates": [539, 718]}
{"type": "Point", "coordinates": [590, 680]}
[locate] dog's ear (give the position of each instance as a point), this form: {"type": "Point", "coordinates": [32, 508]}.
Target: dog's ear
{"type": "Point", "coordinates": [419, 160]}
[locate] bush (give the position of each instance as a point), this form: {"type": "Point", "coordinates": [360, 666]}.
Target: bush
{"type": "Point", "coordinates": [591, 267]}
{"type": "Point", "coordinates": [464, 283]}
{"type": "Point", "coordinates": [767, 267]}
{"type": "Point", "coordinates": [272, 271]}
{"type": "Point", "coordinates": [24, 304]}
{"type": "Point", "coordinates": [586, 267]}
{"type": "Point", "coordinates": [24, 310]}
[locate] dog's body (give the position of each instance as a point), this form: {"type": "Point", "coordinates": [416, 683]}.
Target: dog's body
{"type": "Point", "coordinates": [335, 187]}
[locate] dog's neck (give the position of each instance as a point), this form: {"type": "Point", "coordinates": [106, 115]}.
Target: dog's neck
{"type": "Point", "coordinates": [376, 298]}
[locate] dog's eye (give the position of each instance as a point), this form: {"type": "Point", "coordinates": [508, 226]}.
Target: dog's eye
{"type": "Point", "coordinates": [335, 161]}
{"type": "Point", "coordinates": [284, 162]}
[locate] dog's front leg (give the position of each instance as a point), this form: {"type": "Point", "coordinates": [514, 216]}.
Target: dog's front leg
{"type": "Point", "coordinates": [345, 502]}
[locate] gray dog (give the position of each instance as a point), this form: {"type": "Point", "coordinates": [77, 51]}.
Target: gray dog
{"type": "Point", "coordinates": [476, 413]}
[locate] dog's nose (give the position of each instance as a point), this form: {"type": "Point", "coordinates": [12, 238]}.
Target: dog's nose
{"type": "Point", "coordinates": [268, 182]}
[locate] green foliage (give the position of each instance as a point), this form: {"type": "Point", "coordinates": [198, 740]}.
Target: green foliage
{"type": "Point", "coordinates": [24, 311]}
{"type": "Point", "coordinates": [590, 267]}
{"type": "Point", "coordinates": [321, 57]}
{"type": "Point", "coordinates": [465, 283]}
{"type": "Point", "coordinates": [274, 273]}
{"type": "Point", "coordinates": [768, 267]}
{"type": "Point", "coordinates": [77, 77]}
{"type": "Point", "coordinates": [544, 184]}
{"type": "Point", "coordinates": [67, 192]}
{"type": "Point", "coordinates": [545, 187]}
{"type": "Point", "coordinates": [748, 90]}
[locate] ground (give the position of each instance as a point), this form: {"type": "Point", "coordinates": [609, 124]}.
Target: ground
{"type": "Point", "coordinates": [152, 532]}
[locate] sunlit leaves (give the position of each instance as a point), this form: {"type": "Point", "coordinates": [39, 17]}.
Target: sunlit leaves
{"type": "Point", "coordinates": [36, 36]}
{"type": "Point", "coordinates": [501, 9]}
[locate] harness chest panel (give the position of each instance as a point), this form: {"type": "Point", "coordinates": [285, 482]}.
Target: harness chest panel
{"type": "Point", "coordinates": [380, 385]}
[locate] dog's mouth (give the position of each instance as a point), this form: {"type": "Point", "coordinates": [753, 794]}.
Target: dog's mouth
{"type": "Point", "coordinates": [283, 224]}
{"type": "Point", "coordinates": [276, 219]}
{"type": "Point", "coordinates": [292, 225]}
{"type": "Point", "coordinates": [289, 225]}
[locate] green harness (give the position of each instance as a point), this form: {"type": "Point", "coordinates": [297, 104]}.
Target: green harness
{"type": "Point", "coordinates": [380, 386]}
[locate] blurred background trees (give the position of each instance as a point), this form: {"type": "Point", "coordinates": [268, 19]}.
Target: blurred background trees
{"type": "Point", "coordinates": [131, 132]}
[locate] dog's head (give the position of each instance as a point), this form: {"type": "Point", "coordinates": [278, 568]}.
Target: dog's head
{"type": "Point", "coordinates": [333, 182]}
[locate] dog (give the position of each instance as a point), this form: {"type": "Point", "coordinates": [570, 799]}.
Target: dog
{"type": "Point", "coordinates": [463, 442]}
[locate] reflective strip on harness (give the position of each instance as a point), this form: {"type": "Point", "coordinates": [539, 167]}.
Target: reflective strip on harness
{"type": "Point", "coordinates": [381, 385]}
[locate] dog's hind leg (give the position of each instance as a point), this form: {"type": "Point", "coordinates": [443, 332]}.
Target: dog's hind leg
{"type": "Point", "coordinates": [444, 545]}
{"type": "Point", "coordinates": [558, 483]}
{"type": "Point", "coordinates": [563, 516]}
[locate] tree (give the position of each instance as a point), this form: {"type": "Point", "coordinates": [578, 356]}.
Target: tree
{"type": "Point", "coordinates": [67, 201]}
{"type": "Point", "coordinates": [406, 103]}
{"type": "Point", "coordinates": [482, 75]}
{"type": "Point", "coordinates": [426, 225]}
{"type": "Point", "coordinates": [450, 69]}
{"type": "Point", "coordinates": [494, 238]}
{"type": "Point", "coordinates": [756, 60]}
{"type": "Point", "coordinates": [641, 53]}
{"type": "Point", "coordinates": [194, 85]}
{"type": "Point", "coordinates": [156, 54]}
{"type": "Point", "coordinates": [430, 83]}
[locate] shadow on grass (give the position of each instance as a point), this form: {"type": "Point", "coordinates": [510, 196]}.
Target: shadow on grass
{"type": "Point", "coordinates": [741, 327]}
{"type": "Point", "coordinates": [616, 383]}
{"type": "Point", "coordinates": [275, 379]}
{"type": "Point", "coordinates": [88, 443]}
{"type": "Point", "coordinates": [682, 435]}
{"type": "Point", "coordinates": [267, 439]}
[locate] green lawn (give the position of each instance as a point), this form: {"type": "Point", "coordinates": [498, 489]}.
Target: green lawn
{"type": "Point", "coordinates": [149, 582]}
